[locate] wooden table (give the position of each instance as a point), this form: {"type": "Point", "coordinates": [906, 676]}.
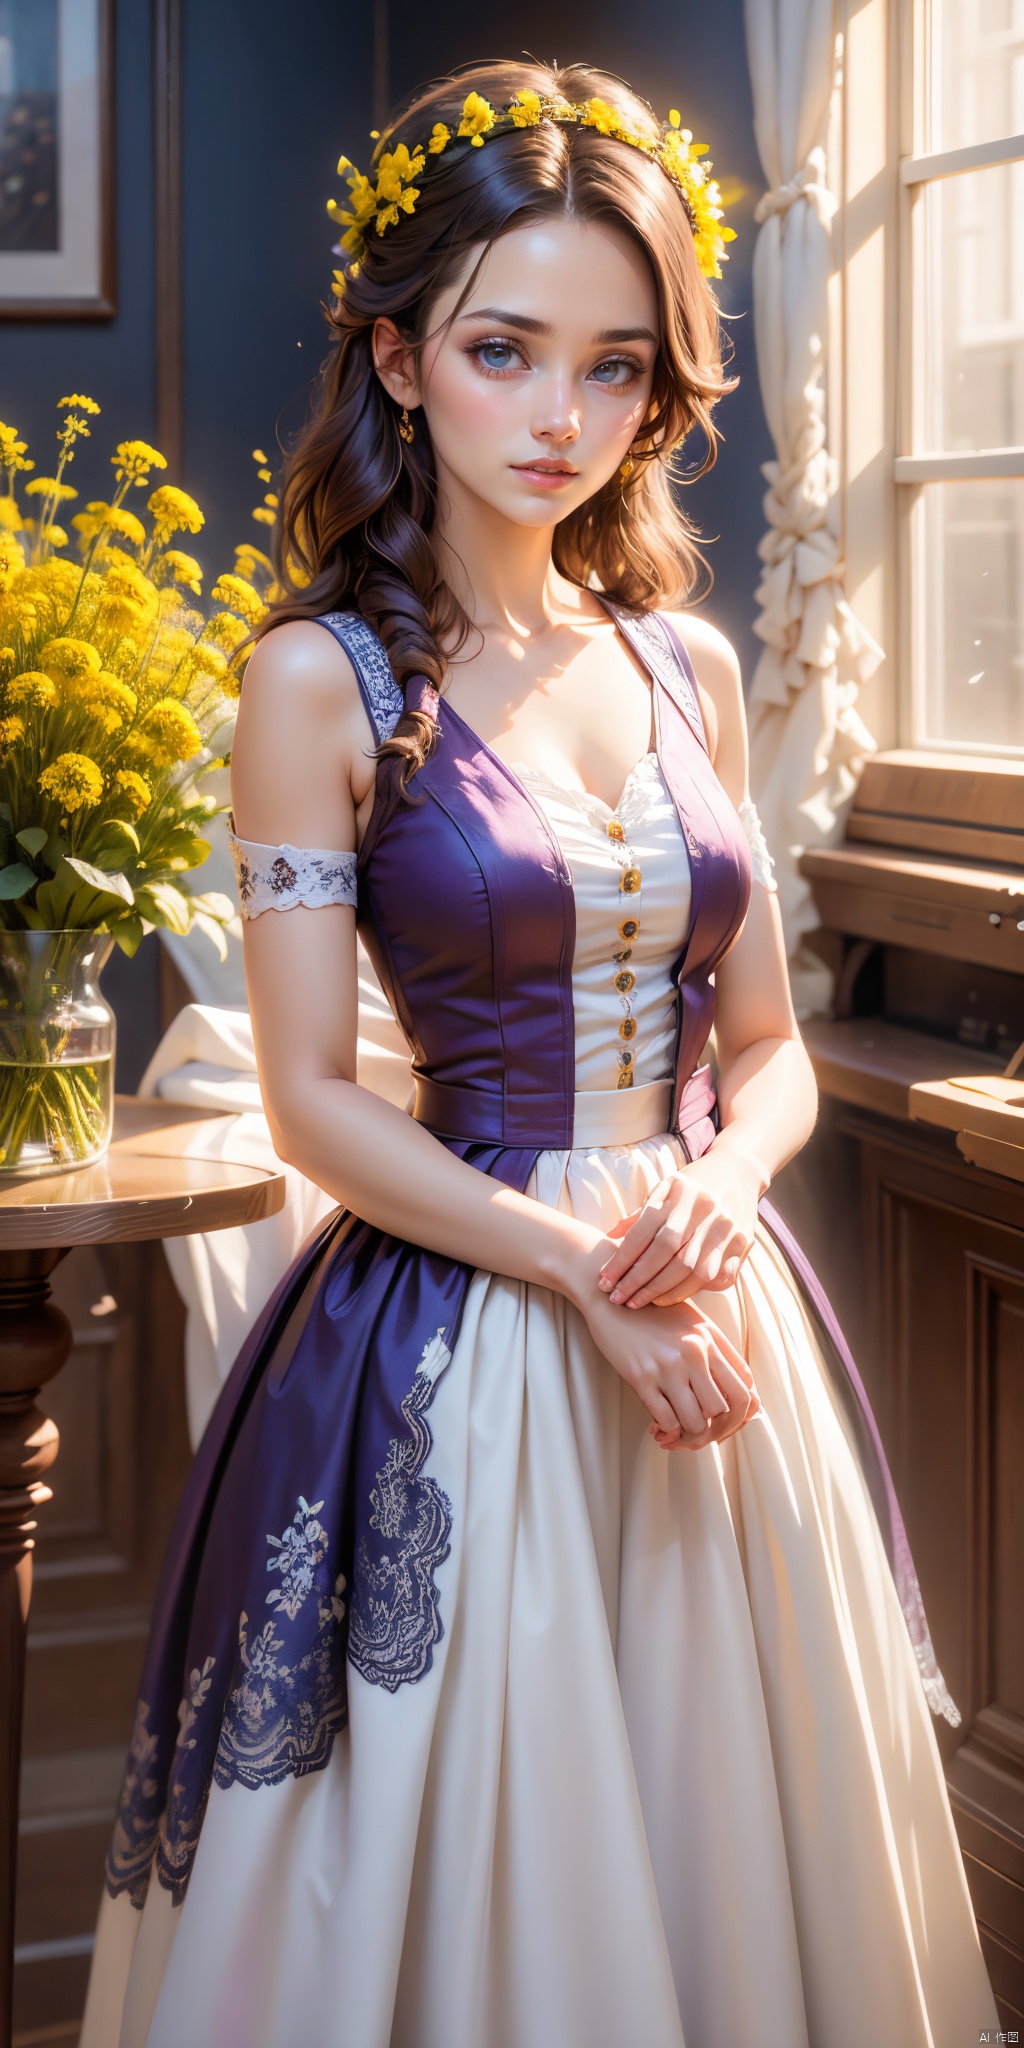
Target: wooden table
{"type": "Point", "coordinates": [146, 1186]}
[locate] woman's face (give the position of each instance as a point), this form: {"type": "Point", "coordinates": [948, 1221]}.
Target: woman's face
{"type": "Point", "coordinates": [536, 388]}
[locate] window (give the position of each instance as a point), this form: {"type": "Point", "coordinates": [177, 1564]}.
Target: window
{"type": "Point", "coordinates": [960, 468]}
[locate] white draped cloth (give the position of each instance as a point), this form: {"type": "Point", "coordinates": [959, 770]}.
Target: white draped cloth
{"type": "Point", "coordinates": [807, 739]}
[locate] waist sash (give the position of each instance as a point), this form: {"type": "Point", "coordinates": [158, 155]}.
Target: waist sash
{"type": "Point", "coordinates": [601, 1116]}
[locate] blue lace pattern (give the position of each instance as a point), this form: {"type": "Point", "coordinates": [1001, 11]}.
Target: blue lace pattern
{"type": "Point", "coordinates": [383, 697]}
{"type": "Point", "coordinates": [396, 1618]}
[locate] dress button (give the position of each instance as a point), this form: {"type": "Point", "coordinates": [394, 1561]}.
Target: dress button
{"type": "Point", "coordinates": [627, 1028]}
{"type": "Point", "coordinates": [625, 981]}
{"type": "Point", "coordinates": [614, 829]}
{"type": "Point", "coordinates": [629, 881]}
{"type": "Point", "coordinates": [625, 1079]}
{"type": "Point", "coordinates": [629, 929]}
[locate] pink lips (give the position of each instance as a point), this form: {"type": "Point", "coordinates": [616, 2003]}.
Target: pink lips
{"type": "Point", "coordinates": [547, 474]}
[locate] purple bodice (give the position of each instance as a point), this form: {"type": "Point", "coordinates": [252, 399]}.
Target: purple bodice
{"type": "Point", "coordinates": [466, 909]}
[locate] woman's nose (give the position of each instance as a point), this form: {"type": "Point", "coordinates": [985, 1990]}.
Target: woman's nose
{"type": "Point", "coordinates": [557, 418]}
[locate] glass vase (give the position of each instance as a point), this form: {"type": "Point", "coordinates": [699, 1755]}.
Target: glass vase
{"type": "Point", "coordinates": [56, 1051]}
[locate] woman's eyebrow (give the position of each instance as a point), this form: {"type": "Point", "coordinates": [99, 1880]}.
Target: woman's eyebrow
{"type": "Point", "coordinates": [528, 325]}
{"type": "Point", "coordinates": [504, 319]}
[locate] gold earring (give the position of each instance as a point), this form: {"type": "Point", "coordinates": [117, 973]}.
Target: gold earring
{"type": "Point", "coordinates": [405, 425]}
{"type": "Point", "coordinates": [626, 469]}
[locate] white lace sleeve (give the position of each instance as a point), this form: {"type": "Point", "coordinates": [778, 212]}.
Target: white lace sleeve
{"type": "Point", "coordinates": [761, 860]}
{"type": "Point", "coordinates": [279, 877]}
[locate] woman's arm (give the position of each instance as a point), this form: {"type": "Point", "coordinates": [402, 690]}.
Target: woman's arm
{"type": "Point", "coordinates": [697, 1227]}
{"type": "Point", "coordinates": [302, 773]}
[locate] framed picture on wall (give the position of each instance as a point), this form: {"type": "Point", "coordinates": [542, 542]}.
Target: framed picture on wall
{"type": "Point", "coordinates": [56, 160]}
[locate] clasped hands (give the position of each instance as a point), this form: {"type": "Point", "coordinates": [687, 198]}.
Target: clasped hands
{"type": "Point", "coordinates": [692, 1234]}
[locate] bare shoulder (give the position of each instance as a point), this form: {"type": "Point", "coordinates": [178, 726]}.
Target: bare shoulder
{"type": "Point", "coordinates": [720, 687]}
{"type": "Point", "coordinates": [299, 669]}
{"type": "Point", "coordinates": [302, 747]}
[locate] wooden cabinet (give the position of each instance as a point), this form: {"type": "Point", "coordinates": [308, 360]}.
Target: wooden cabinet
{"type": "Point", "coordinates": [917, 1231]}
{"type": "Point", "coordinates": [119, 1404]}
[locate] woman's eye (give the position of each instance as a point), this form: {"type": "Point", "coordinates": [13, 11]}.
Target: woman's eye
{"type": "Point", "coordinates": [496, 356]}
{"type": "Point", "coordinates": [616, 371]}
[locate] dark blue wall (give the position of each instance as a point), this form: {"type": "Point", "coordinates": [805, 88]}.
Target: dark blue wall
{"type": "Point", "coordinates": [272, 95]}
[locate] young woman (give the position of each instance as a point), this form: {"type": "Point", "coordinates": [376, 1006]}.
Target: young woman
{"type": "Point", "coordinates": [476, 1715]}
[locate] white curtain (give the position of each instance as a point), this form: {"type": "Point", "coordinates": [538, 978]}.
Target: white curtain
{"type": "Point", "coordinates": [807, 740]}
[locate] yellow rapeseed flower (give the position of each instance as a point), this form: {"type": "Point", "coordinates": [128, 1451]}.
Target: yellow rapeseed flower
{"type": "Point", "coordinates": [12, 558]}
{"type": "Point", "coordinates": [136, 789]}
{"type": "Point", "coordinates": [12, 450]}
{"type": "Point", "coordinates": [440, 137]}
{"type": "Point", "coordinates": [258, 455]}
{"type": "Point", "coordinates": [67, 660]}
{"type": "Point", "coordinates": [80, 403]}
{"type": "Point", "coordinates": [108, 700]}
{"type": "Point", "coordinates": [55, 581]}
{"type": "Point", "coordinates": [263, 515]}
{"type": "Point", "coordinates": [117, 518]}
{"type": "Point", "coordinates": [74, 780]}
{"type": "Point", "coordinates": [173, 512]}
{"type": "Point", "coordinates": [182, 569]}
{"type": "Point", "coordinates": [48, 487]}
{"type": "Point", "coordinates": [133, 461]}
{"type": "Point", "coordinates": [19, 612]}
{"type": "Point", "coordinates": [31, 687]}
{"type": "Point", "coordinates": [205, 661]}
{"type": "Point", "coordinates": [10, 517]}
{"type": "Point", "coordinates": [240, 595]}
{"type": "Point", "coordinates": [226, 631]}
{"type": "Point", "coordinates": [168, 734]}
{"type": "Point", "coordinates": [125, 579]}
{"type": "Point", "coordinates": [11, 730]}
{"type": "Point", "coordinates": [245, 555]}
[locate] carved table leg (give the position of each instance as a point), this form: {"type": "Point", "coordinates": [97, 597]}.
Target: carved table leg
{"type": "Point", "coordinates": [35, 1339]}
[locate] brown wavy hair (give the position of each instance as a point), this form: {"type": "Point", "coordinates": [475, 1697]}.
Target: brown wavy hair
{"type": "Point", "coordinates": [358, 504]}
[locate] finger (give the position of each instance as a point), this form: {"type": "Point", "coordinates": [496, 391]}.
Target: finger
{"type": "Point", "coordinates": [664, 1251]}
{"type": "Point", "coordinates": [638, 1236]}
{"type": "Point", "coordinates": [661, 1411]}
{"type": "Point", "coordinates": [713, 1400]}
{"type": "Point", "coordinates": [681, 1269]}
{"type": "Point", "coordinates": [688, 1410]}
{"type": "Point", "coordinates": [719, 1254]}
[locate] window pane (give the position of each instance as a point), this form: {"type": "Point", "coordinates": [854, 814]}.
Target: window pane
{"type": "Point", "coordinates": [973, 327]}
{"type": "Point", "coordinates": [977, 71]}
{"type": "Point", "coordinates": [970, 548]}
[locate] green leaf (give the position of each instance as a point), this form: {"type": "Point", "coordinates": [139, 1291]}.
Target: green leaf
{"type": "Point", "coordinates": [55, 850]}
{"type": "Point", "coordinates": [98, 878]}
{"type": "Point", "coordinates": [164, 905]}
{"type": "Point", "coordinates": [115, 841]}
{"type": "Point", "coordinates": [213, 904]}
{"type": "Point", "coordinates": [33, 839]}
{"type": "Point", "coordinates": [127, 933]}
{"type": "Point", "coordinates": [15, 881]}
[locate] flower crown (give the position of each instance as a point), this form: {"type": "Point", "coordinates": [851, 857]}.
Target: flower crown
{"type": "Point", "coordinates": [381, 204]}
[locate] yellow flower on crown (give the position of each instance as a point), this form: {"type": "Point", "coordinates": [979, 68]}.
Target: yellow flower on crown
{"type": "Point", "coordinates": [478, 118]}
{"type": "Point", "coordinates": [526, 110]}
{"type": "Point", "coordinates": [381, 204]}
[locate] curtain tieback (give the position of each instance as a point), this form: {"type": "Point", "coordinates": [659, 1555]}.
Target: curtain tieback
{"type": "Point", "coordinates": [808, 183]}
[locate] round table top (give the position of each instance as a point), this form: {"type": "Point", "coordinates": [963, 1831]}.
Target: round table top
{"type": "Point", "coordinates": [145, 1186]}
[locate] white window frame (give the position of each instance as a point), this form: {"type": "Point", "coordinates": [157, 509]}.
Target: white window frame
{"type": "Point", "coordinates": [880, 170]}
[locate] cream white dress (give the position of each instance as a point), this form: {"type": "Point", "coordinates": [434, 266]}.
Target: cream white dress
{"type": "Point", "coordinates": [671, 1781]}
